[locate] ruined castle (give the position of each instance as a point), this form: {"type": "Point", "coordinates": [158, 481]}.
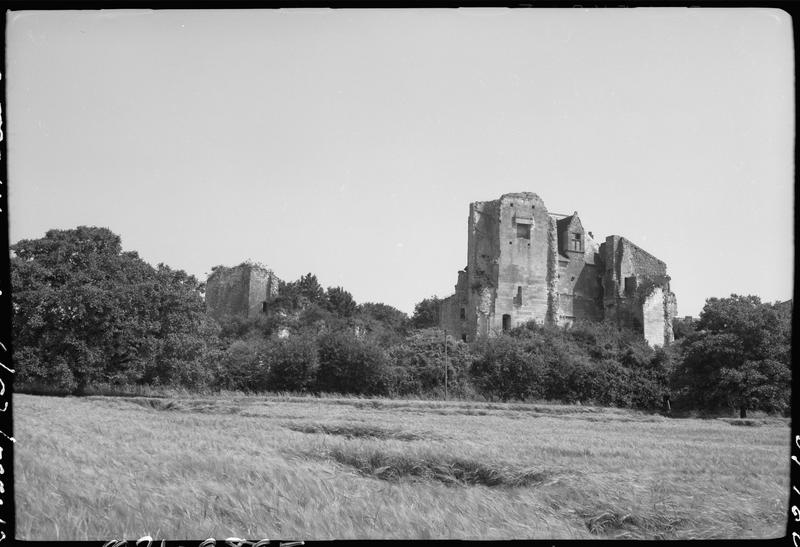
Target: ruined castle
{"type": "Point", "coordinates": [525, 264]}
{"type": "Point", "coordinates": [241, 291]}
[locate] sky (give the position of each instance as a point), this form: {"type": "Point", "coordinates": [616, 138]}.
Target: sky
{"type": "Point", "coordinates": [349, 143]}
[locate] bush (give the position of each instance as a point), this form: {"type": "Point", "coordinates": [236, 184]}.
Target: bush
{"type": "Point", "coordinates": [417, 365]}
{"type": "Point", "coordinates": [243, 366]}
{"type": "Point", "coordinates": [596, 363]}
{"type": "Point", "coordinates": [350, 365]}
{"type": "Point", "coordinates": [508, 371]}
{"type": "Point", "coordinates": [292, 364]}
{"type": "Point", "coordinates": [32, 375]}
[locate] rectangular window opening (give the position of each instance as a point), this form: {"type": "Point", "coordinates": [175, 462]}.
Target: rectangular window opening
{"type": "Point", "coordinates": [577, 242]}
{"type": "Point", "coordinates": [524, 231]}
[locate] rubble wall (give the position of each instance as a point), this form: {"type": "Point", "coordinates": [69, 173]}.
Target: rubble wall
{"type": "Point", "coordinates": [239, 291]}
{"type": "Point", "coordinates": [653, 317]}
{"type": "Point", "coordinates": [520, 267]}
{"type": "Point", "coordinates": [522, 286]}
{"type": "Point", "coordinates": [483, 257]}
{"type": "Point", "coordinates": [228, 292]}
{"type": "Point", "coordinates": [263, 287]}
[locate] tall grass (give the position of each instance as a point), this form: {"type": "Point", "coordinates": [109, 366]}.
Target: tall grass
{"type": "Point", "coordinates": [290, 467]}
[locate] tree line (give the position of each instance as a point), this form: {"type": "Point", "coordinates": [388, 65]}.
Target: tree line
{"type": "Point", "coordinates": [85, 314]}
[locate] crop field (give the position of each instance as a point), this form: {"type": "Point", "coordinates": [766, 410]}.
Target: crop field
{"type": "Point", "coordinates": [294, 468]}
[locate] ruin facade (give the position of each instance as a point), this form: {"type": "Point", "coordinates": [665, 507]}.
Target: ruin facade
{"type": "Point", "coordinates": [242, 291]}
{"type": "Point", "coordinates": [526, 264]}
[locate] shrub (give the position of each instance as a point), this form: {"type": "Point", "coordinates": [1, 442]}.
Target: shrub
{"type": "Point", "coordinates": [506, 370]}
{"type": "Point", "coordinates": [292, 364]}
{"type": "Point", "coordinates": [243, 365]}
{"type": "Point", "coordinates": [350, 365]}
{"type": "Point", "coordinates": [417, 365]}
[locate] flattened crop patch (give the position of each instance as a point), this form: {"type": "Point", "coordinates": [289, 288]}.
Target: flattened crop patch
{"type": "Point", "coordinates": [350, 430]}
{"type": "Point", "coordinates": [188, 405]}
{"type": "Point", "coordinates": [433, 466]}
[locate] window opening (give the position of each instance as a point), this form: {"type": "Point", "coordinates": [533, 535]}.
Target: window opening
{"type": "Point", "coordinates": [630, 285]}
{"type": "Point", "coordinates": [524, 231]}
{"type": "Point", "coordinates": [577, 242]}
{"type": "Point", "coordinates": [506, 322]}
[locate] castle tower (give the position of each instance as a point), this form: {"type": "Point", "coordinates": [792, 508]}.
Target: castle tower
{"type": "Point", "coordinates": [526, 264]}
{"type": "Point", "coordinates": [511, 271]}
{"type": "Point", "coordinates": [244, 290]}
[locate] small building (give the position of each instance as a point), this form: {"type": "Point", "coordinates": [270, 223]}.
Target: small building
{"type": "Point", "coordinates": [526, 264]}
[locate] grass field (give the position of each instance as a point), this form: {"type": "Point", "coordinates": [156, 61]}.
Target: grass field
{"type": "Point", "coordinates": [296, 468]}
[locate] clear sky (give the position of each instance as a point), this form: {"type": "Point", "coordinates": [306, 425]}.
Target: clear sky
{"type": "Point", "coordinates": [349, 143]}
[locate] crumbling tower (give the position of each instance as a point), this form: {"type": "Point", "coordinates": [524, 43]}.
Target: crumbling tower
{"type": "Point", "coordinates": [526, 264]}
{"type": "Point", "coordinates": [243, 291]}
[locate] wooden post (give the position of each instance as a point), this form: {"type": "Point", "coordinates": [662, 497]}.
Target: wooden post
{"type": "Point", "coordinates": [445, 364]}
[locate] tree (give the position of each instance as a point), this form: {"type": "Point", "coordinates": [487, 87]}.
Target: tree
{"type": "Point", "coordinates": [682, 327]}
{"type": "Point", "coordinates": [85, 313]}
{"type": "Point", "coordinates": [383, 324]}
{"type": "Point", "coordinates": [350, 365]}
{"type": "Point", "coordinates": [739, 356]}
{"type": "Point", "coordinates": [426, 313]}
{"type": "Point", "coordinates": [301, 293]}
{"type": "Point", "coordinates": [340, 302]}
{"type": "Point", "coordinates": [392, 318]}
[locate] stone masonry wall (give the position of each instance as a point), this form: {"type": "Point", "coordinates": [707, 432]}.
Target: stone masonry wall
{"type": "Point", "coordinates": [554, 302]}
{"type": "Point", "coordinates": [227, 291]}
{"type": "Point", "coordinates": [636, 290]}
{"type": "Point", "coordinates": [523, 265]}
{"type": "Point", "coordinates": [483, 256]}
{"type": "Point", "coordinates": [653, 317]}
{"type": "Point", "coordinates": [239, 291]}
{"type": "Point", "coordinates": [522, 285]}
{"type": "Point", "coordinates": [263, 288]}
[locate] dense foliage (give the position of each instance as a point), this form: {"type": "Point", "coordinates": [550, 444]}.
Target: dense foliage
{"type": "Point", "coordinates": [739, 355]}
{"type": "Point", "coordinates": [587, 363]}
{"type": "Point", "coordinates": [86, 313]}
{"type": "Point", "coordinates": [418, 365]}
{"type": "Point", "coordinates": [426, 313]}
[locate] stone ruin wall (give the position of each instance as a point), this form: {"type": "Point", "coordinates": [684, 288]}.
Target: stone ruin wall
{"type": "Point", "coordinates": [579, 284]}
{"type": "Point", "coordinates": [523, 284]}
{"type": "Point", "coordinates": [240, 291]}
{"type": "Point", "coordinates": [637, 292]}
{"type": "Point", "coordinates": [482, 267]}
{"type": "Point", "coordinates": [227, 291]}
{"type": "Point", "coordinates": [554, 300]}
{"type": "Point", "coordinates": [506, 274]}
{"type": "Point", "coordinates": [541, 279]}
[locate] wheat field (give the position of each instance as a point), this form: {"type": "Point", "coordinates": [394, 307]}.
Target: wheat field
{"type": "Point", "coordinates": [294, 468]}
